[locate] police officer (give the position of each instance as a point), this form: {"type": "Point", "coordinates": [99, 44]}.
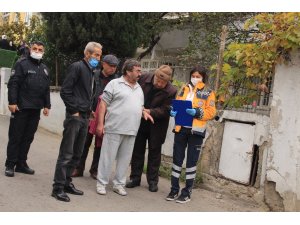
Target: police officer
{"type": "Point", "coordinates": [28, 93]}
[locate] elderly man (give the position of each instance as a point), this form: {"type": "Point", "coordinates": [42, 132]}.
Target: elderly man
{"type": "Point", "coordinates": [123, 102]}
{"type": "Point", "coordinates": [158, 92]}
{"type": "Point", "coordinates": [28, 93]}
{"type": "Point", "coordinates": [77, 93]}
{"type": "Point", "coordinates": [107, 73]}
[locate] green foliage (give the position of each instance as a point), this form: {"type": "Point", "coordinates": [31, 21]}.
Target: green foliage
{"type": "Point", "coordinates": [204, 38]}
{"type": "Point", "coordinates": [18, 30]}
{"type": "Point", "coordinates": [177, 83]}
{"type": "Point", "coordinates": [15, 31]}
{"type": "Point", "coordinates": [248, 64]}
{"type": "Point", "coordinates": [119, 33]}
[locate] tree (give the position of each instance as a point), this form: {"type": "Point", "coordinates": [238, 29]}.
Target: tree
{"type": "Point", "coordinates": [119, 33]}
{"type": "Point", "coordinates": [15, 31]}
{"type": "Point", "coordinates": [249, 64]}
{"type": "Point", "coordinates": [204, 38]}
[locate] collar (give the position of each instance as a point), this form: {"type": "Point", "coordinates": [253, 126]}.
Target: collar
{"type": "Point", "coordinates": [122, 80]}
{"type": "Point", "coordinates": [35, 61]}
{"type": "Point", "coordinates": [88, 65]}
{"type": "Point", "coordinates": [200, 85]}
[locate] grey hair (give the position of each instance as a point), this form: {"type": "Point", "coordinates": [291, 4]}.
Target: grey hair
{"type": "Point", "coordinates": [129, 64]}
{"type": "Point", "coordinates": [91, 46]}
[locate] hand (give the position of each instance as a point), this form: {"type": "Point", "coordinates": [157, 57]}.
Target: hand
{"type": "Point", "coordinates": [75, 114]}
{"type": "Point", "coordinates": [147, 116]}
{"type": "Point", "coordinates": [100, 130]}
{"type": "Point", "coordinates": [46, 112]}
{"type": "Point", "coordinates": [191, 112]}
{"type": "Point", "coordinates": [92, 115]}
{"type": "Point", "coordinates": [13, 108]}
{"type": "Point", "coordinates": [173, 113]}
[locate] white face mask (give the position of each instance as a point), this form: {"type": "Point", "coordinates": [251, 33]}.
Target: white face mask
{"type": "Point", "coordinates": [37, 56]}
{"type": "Point", "coordinates": [195, 81]}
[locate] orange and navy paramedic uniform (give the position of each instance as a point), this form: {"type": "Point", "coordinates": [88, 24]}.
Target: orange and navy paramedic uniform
{"type": "Point", "coordinates": [203, 100]}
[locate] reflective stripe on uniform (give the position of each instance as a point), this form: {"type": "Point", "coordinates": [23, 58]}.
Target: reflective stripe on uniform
{"type": "Point", "coordinates": [190, 176]}
{"type": "Point", "coordinates": [192, 169]}
{"type": "Point", "coordinates": [176, 167]}
{"type": "Point", "coordinates": [175, 174]}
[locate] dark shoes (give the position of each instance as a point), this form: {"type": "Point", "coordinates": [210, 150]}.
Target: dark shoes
{"type": "Point", "coordinates": [60, 195]}
{"type": "Point", "coordinates": [24, 168]}
{"type": "Point", "coordinates": [183, 199]}
{"type": "Point", "coordinates": [172, 196]}
{"type": "Point", "coordinates": [72, 190]}
{"type": "Point", "coordinates": [153, 187]}
{"type": "Point", "coordinates": [132, 184]}
{"type": "Point", "coordinates": [9, 172]}
{"type": "Point", "coordinates": [77, 173]}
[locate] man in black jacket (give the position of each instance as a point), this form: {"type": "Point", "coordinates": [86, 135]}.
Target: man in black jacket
{"type": "Point", "coordinates": [28, 93]}
{"type": "Point", "coordinates": [158, 94]}
{"type": "Point", "coordinates": [77, 92]}
{"type": "Point", "coordinates": [108, 73]}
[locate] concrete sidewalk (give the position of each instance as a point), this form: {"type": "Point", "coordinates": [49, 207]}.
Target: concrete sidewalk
{"type": "Point", "coordinates": [26, 193]}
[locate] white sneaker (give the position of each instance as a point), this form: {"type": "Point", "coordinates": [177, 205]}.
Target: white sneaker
{"type": "Point", "coordinates": [101, 189]}
{"type": "Point", "coordinates": [119, 189]}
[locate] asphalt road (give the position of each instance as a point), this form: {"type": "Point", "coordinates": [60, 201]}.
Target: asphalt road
{"type": "Point", "coordinates": [31, 193]}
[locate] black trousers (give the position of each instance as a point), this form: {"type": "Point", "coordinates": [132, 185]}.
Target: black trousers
{"type": "Point", "coordinates": [96, 155]}
{"type": "Point", "coordinates": [22, 127]}
{"type": "Point", "coordinates": [193, 142]}
{"type": "Point", "coordinates": [71, 147]}
{"type": "Point", "coordinates": [138, 157]}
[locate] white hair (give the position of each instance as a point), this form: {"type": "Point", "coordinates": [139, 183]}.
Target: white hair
{"type": "Point", "coordinates": [90, 47]}
{"type": "Point", "coordinates": [4, 36]}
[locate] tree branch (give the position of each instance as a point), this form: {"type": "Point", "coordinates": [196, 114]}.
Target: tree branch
{"type": "Point", "coordinates": [154, 41]}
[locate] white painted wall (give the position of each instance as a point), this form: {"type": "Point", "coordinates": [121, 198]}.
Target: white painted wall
{"type": "Point", "coordinates": [4, 77]}
{"type": "Point", "coordinates": [237, 151]}
{"type": "Point", "coordinates": [283, 165]}
{"type": "Point", "coordinates": [54, 122]}
{"type": "Point", "coordinates": [261, 130]}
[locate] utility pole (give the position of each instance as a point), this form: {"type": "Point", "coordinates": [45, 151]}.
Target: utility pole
{"type": "Point", "coordinates": [224, 34]}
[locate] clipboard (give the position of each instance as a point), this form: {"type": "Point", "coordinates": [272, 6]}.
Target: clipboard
{"type": "Point", "coordinates": [182, 118]}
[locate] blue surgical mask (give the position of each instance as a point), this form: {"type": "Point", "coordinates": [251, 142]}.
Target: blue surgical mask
{"type": "Point", "coordinates": [93, 62]}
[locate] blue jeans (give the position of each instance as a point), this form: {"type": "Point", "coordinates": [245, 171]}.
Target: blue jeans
{"type": "Point", "coordinates": [184, 138]}
{"type": "Point", "coordinates": [71, 147]}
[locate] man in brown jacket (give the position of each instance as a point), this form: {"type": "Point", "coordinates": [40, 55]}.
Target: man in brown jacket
{"type": "Point", "coordinates": [158, 94]}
